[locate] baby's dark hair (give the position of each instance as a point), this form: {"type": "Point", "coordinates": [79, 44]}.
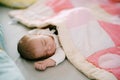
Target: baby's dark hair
{"type": "Point", "coordinates": [27, 50]}
{"type": "Point", "coordinates": [24, 49]}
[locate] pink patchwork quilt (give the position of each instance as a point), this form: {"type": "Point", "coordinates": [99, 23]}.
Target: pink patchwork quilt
{"type": "Point", "coordinates": [91, 44]}
{"type": "Point", "coordinates": [34, 15]}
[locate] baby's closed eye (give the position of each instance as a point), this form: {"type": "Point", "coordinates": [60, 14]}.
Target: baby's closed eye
{"type": "Point", "coordinates": [43, 42]}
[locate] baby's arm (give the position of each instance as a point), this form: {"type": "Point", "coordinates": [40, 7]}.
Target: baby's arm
{"type": "Point", "coordinates": [42, 65]}
{"type": "Point", "coordinates": [59, 56]}
{"type": "Point", "coordinates": [56, 59]}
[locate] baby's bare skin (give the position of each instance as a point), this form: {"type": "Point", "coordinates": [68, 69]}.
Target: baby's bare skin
{"type": "Point", "coordinates": [42, 65]}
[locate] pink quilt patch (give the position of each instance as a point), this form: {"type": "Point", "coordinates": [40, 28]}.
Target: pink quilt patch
{"type": "Point", "coordinates": [108, 59]}
{"type": "Point", "coordinates": [58, 5]}
{"type": "Point", "coordinates": [112, 9]}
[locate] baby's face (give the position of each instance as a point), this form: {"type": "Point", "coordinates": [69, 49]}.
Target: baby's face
{"type": "Point", "coordinates": [44, 45]}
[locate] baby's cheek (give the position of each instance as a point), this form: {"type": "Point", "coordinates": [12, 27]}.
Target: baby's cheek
{"type": "Point", "coordinates": [49, 52]}
{"type": "Point", "coordinates": [51, 49]}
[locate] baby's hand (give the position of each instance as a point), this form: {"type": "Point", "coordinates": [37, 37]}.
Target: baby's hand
{"type": "Point", "coordinates": [42, 65]}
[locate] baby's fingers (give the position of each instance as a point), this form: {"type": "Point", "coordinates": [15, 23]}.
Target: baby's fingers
{"type": "Point", "coordinates": [40, 66]}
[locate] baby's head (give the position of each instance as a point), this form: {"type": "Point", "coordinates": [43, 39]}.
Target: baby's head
{"type": "Point", "coordinates": [33, 46]}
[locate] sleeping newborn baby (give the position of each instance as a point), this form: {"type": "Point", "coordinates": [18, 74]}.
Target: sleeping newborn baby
{"type": "Point", "coordinates": [41, 44]}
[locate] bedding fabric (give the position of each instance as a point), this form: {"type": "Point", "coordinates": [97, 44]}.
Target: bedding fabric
{"type": "Point", "coordinates": [8, 69]}
{"type": "Point", "coordinates": [17, 3]}
{"type": "Point", "coordinates": [81, 35]}
{"type": "Point", "coordinates": [2, 46]}
{"type": "Point", "coordinates": [34, 15]}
